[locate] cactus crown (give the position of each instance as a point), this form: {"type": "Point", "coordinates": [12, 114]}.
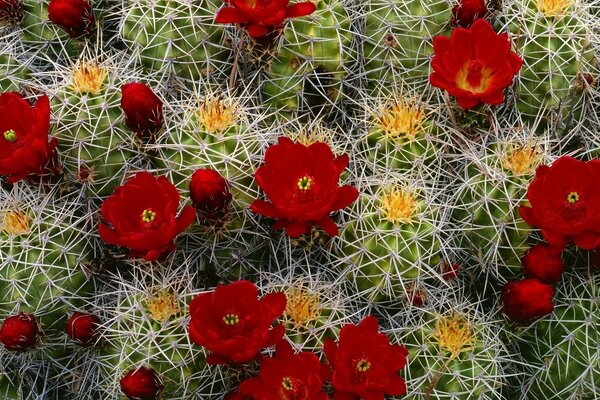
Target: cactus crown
{"type": "Point", "coordinates": [162, 305]}
{"type": "Point", "coordinates": [303, 306]}
{"type": "Point", "coordinates": [453, 333]}
{"type": "Point", "coordinates": [400, 118]}
{"type": "Point", "coordinates": [521, 159]}
{"type": "Point", "coordinates": [87, 77]}
{"type": "Point", "coordinates": [216, 115]}
{"type": "Point", "coordinates": [553, 8]}
{"type": "Point", "coordinates": [399, 205]}
{"type": "Point", "coordinates": [15, 223]}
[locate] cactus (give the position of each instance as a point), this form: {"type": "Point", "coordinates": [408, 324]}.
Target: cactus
{"type": "Point", "coordinates": [13, 73]}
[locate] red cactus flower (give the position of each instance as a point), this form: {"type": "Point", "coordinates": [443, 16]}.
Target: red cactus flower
{"type": "Point", "coordinates": [468, 11]}
{"type": "Point", "coordinates": [365, 364]}
{"type": "Point", "coordinates": [544, 263]}
{"type": "Point", "coordinates": [526, 300]}
{"type": "Point", "coordinates": [301, 183]}
{"type": "Point", "coordinates": [141, 384]}
{"type": "Point", "coordinates": [564, 202]}
{"type": "Point", "coordinates": [24, 146]}
{"type": "Point", "coordinates": [74, 16]}
{"type": "Point", "coordinates": [142, 216]}
{"type": "Point", "coordinates": [234, 324]}
{"type": "Point", "coordinates": [288, 376]}
{"type": "Point", "coordinates": [83, 328]}
{"type": "Point", "coordinates": [142, 108]}
{"type": "Point", "coordinates": [474, 65]}
{"type": "Point", "coordinates": [19, 332]}
{"type": "Point", "coordinates": [210, 193]}
{"type": "Point", "coordinates": [262, 16]}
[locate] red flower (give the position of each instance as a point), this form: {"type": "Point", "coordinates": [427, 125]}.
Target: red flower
{"type": "Point", "coordinates": [24, 146]}
{"type": "Point", "coordinates": [83, 328]}
{"type": "Point", "coordinates": [262, 16]}
{"type": "Point", "coordinates": [11, 11]}
{"type": "Point", "coordinates": [74, 16]}
{"type": "Point", "coordinates": [288, 376]}
{"type": "Point", "coordinates": [564, 202]}
{"type": "Point", "coordinates": [302, 185]}
{"type": "Point", "coordinates": [141, 384]}
{"type": "Point", "coordinates": [19, 332]}
{"type": "Point", "coordinates": [474, 65]}
{"type": "Point", "coordinates": [544, 263]}
{"type": "Point", "coordinates": [142, 216]}
{"type": "Point", "coordinates": [234, 324]}
{"type": "Point", "coordinates": [143, 109]}
{"type": "Point", "coordinates": [467, 11]}
{"type": "Point", "coordinates": [450, 271]}
{"type": "Point", "coordinates": [210, 193]}
{"type": "Point", "coordinates": [365, 364]}
{"type": "Point", "coordinates": [527, 299]}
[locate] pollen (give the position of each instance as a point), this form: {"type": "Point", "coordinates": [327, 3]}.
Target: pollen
{"type": "Point", "coordinates": [453, 334]}
{"type": "Point", "coordinates": [163, 306]}
{"type": "Point", "coordinates": [399, 206]}
{"type": "Point", "coordinates": [88, 78]}
{"type": "Point", "coordinates": [401, 119]}
{"type": "Point", "coordinates": [305, 183]}
{"type": "Point", "coordinates": [10, 135]}
{"type": "Point", "coordinates": [215, 116]}
{"type": "Point", "coordinates": [287, 383]}
{"type": "Point", "coordinates": [302, 307]}
{"type": "Point", "coordinates": [553, 8]}
{"type": "Point", "coordinates": [522, 160]}
{"type": "Point", "coordinates": [363, 365]}
{"type": "Point", "coordinates": [15, 223]}
{"type": "Point", "coordinates": [573, 197]}
{"type": "Point", "coordinates": [148, 216]}
{"type": "Point", "coordinates": [231, 319]}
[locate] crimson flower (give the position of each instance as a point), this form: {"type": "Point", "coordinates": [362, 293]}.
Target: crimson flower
{"type": "Point", "coordinates": [19, 332]}
{"type": "Point", "coordinates": [301, 183]}
{"type": "Point", "coordinates": [210, 193]}
{"type": "Point", "coordinates": [142, 216]}
{"type": "Point", "coordinates": [262, 16]}
{"type": "Point", "coordinates": [365, 364]}
{"type": "Point", "coordinates": [142, 107]}
{"type": "Point", "coordinates": [288, 376]}
{"type": "Point", "coordinates": [467, 11]}
{"type": "Point", "coordinates": [564, 202]}
{"type": "Point", "coordinates": [474, 65]}
{"type": "Point", "coordinates": [527, 299]}
{"type": "Point", "coordinates": [83, 328]}
{"type": "Point", "coordinates": [24, 146]}
{"type": "Point", "coordinates": [234, 324]}
{"type": "Point", "coordinates": [141, 384]}
{"type": "Point", "coordinates": [544, 263]}
{"type": "Point", "coordinates": [74, 16]}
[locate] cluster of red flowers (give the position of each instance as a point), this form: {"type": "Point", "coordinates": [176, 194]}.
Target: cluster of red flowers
{"type": "Point", "coordinates": [234, 324]}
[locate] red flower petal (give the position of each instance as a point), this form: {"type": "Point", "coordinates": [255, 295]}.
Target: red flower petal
{"type": "Point", "coordinates": [300, 9]}
{"type": "Point", "coordinates": [328, 225]}
{"type": "Point", "coordinates": [230, 15]}
{"type": "Point", "coordinates": [257, 30]}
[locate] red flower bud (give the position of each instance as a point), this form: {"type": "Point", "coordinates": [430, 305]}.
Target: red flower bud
{"type": "Point", "coordinates": [19, 332]}
{"type": "Point", "coordinates": [141, 384]}
{"type": "Point", "coordinates": [142, 108]}
{"type": "Point", "coordinates": [467, 11]}
{"type": "Point", "coordinates": [544, 262]}
{"type": "Point", "coordinates": [210, 193]}
{"type": "Point", "coordinates": [527, 300]}
{"type": "Point", "coordinates": [11, 11]}
{"type": "Point", "coordinates": [74, 16]}
{"type": "Point", "coordinates": [83, 328]}
{"type": "Point", "coordinates": [450, 271]}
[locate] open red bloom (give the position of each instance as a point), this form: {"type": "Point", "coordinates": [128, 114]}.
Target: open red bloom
{"type": "Point", "coordinates": [142, 108]}
{"type": "Point", "coordinates": [74, 16]}
{"type": "Point", "coordinates": [234, 324]}
{"type": "Point", "coordinates": [141, 384]}
{"type": "Point", "coordinates": [564, 202]}
{"type": "Point", "coordinates": [365, 364]}
{"type": "Point", "coordinates": [262, 16]}
{"type": "Point", "coordinates": [301, 183]}
{"type": "Point", "coordinates": [288, 376]}
{"type": "Point", "coordinates": [467, 11]}
{"type": "Point", "coordinates": [24, 146]}
{"type": "Point", "coordinates": [474, 65]}
{"type": "Point", "coordinates": [544, 263]}
{"type": "Point", "coordinates": [19, 332]}
{"type": "Point", "coordinates": [527, 299]}
{"type": "Point", "coordinates": [142, 216]}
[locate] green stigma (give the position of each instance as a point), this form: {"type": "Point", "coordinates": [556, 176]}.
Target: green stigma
{"type": "Point", "coordinates": [10, 135]}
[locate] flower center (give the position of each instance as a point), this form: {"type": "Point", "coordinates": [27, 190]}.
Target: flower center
{"type": "Point", "coordinates": [287, 383]}
{"type": "Point", "coordinates": [453, 334]}
{"type": "Point", "coordinates": [553, 8]}
{"type": "Point", "coordinates": [15, 223]}
{"type": "Point", "coordinates": [573, 197]}
{"type": "Point", "coordinates": [163, 306]}
{"type": "Point", "coordinates": [399, 206]}
{"type": "Point", "coordinates": [402, 119]}
{"type": "Point", "coordinates": [10, 136]}
{"type": "Point", "coordinates": [521, 160]}
{"type": "Point", "coordinates": [215, 116]}
{"type": "Point", "coordinates": [148, 215]}
{"type": "Point", "coordinates": [302, 307]}
{"type": "Point", "coordinates": [231, 319]}
{"type": "Point", "coordinates": [305, 183]}
{"type": "Point", "coordinates": [363, 365]}
{"type": "Point", "coordinates": [88, 78]}
{"type": "Point", "coordinates": [473, 77]}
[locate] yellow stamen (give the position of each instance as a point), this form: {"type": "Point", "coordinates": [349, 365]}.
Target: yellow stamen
{"type": "Point", "coordinates": [521, 160]}
{"type": "Point", "coordinates": [401, 119]}
{"type": "Point", "coordinates": [399, 206]}
{"type": "Point", "coordinates": [485, 77]}
{"type": "Point", "coordinates": [88, 78]}
{"type": "Point", "coordinates": [553, 8]}
{"type": "Point", "coordinates": [163, 306]}
{"type": "Point", "coordinates": [15, 223]}
{"type": "Point", "coordinates": [10, 136]}
{"type": "Point", "coordinates": [216, 116]}
{"type": "Point", "coordinates": [231, 319]}
{"type": "Point", "coordinates": [363, 365]}
{"type": "Point", "coordinates": [287, 384]}
{"type": "Point", "coordinates": [148, 215]}
{"type": "Point", "coordinates": [453, 334]}
{"type": "Point", "coordinates": [302, 307]}
{"type": "Point", "coordinates": [305, 183]}
{"type": "Point", "coordinates": [573, 197]}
